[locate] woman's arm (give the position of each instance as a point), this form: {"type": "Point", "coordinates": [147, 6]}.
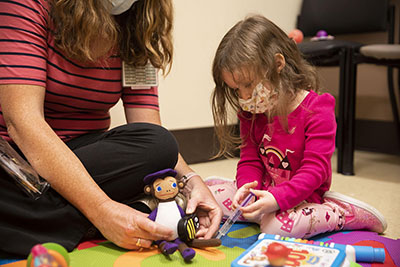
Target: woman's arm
{"type": "Point", "coordinates": [200, 197]}
{"type": "Point", "coordinates": [22, 107]}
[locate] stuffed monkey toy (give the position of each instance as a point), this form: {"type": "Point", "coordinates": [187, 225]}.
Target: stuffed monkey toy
{"type": "Point", "coordinates": [163, 186]}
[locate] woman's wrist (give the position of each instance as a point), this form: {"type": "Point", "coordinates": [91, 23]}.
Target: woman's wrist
{"type": "Point", "coordinates": [186, 178]}
{"type": "Point", "coordinates": [94, 215]}
{"type": "Point", "coordinates": [190, 179]}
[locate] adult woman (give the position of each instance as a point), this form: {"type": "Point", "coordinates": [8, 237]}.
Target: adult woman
{"type": "Point", "coordinates": [60, 74]}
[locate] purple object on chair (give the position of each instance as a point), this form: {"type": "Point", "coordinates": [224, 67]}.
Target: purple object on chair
{"type": "Point", "coordinates": [321, 33]}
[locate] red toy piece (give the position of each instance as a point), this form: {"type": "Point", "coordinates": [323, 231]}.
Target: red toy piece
{"type": "Point", "coordinates": [277, 254]}
{"type": "Point", "coordinates": [296, 35]}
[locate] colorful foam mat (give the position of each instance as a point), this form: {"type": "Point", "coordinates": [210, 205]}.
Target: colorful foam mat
{"type": "Point", "coordinates": [99, 253]}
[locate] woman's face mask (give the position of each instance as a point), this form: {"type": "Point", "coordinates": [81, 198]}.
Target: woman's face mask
{"type": "Point", "coordinates": [120, 6]}
{"type": "Point", "coordinates": [261, 100]}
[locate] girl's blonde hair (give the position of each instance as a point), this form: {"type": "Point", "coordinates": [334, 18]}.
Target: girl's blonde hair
{"type": "Point", "coordinates": [144, 33]}
{"type": "Point", "coordinates": [252, 45]}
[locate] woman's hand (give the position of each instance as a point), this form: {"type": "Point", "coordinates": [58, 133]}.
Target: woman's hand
{"type": "Point", "coordinates": [265, 204]}
{"type": "Point", "coordinates": [124, 226]}
{"type": "Point", "coordinates": [202, 201]}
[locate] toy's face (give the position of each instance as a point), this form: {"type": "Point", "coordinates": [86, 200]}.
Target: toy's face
{"type": "Point", "coordinates": [166, 188]}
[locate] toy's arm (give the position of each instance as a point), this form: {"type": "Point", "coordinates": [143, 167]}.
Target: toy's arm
{"type": "Point", "coordinates": [181, 210]}
{"type": "Point", "coordinates": [153, 214]}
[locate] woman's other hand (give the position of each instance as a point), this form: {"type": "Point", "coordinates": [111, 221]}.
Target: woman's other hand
{"type": "Point", "coordinates": [202, 201]}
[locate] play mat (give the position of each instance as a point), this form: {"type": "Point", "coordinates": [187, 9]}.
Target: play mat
{"type": "Point", "coordinates": [99, 253]}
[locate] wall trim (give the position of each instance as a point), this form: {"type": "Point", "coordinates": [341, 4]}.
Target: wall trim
{"type": "Point", "coordinates": [377, 136]}
{"type": "Point", "coordinates": [197, 144]}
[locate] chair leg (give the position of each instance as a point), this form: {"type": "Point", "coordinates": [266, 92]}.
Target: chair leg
{"type": "Point", "coordinates": [393, 103]}
{"type": "Point", "coordinates": [349, 115]}
{"type": "Point", "coordinates": [342, 110]}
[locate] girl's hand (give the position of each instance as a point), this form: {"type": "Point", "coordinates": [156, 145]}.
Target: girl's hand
{"type": "Point", "coordinates": [265, 204]}
{"type": "Point", "coordinates": [242, 193]}
{"type": "Point", "coordinates": [124, 225]}
{"type": "Point", "coordinates": [202, 201]}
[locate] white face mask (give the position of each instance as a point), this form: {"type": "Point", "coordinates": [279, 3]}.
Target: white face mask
{"type": "Point", "coordinates": [120, 6]}
{"type": "Point", "coordinates": [261, 100]}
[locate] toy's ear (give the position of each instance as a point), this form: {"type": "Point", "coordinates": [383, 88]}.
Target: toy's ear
{"type": "Point", "coordinates": [181, 184]}
{"type": "Point", "coordinates": [147, 189]}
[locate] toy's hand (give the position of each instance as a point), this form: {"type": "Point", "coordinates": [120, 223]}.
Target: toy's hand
{"type": "Point", "coordinates": [202, 201]}
{"type": "Point", "coordinates": [123, 226]}
{"type": "Point", "coordinates": [265, 204]}
{"type": "Point", "coordinates": [242, 193]}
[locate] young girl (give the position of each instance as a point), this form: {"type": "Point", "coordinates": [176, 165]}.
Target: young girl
{"type": "Point", "coordinates": [287, 132]}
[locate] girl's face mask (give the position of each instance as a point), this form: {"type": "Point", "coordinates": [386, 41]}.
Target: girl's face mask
{"type": "Point", "coordinates": [120, 6]}
{"type": "Point", "coordinates": [261, 100]}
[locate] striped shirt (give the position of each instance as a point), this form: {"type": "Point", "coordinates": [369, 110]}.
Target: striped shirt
{"type": "Point", "coordinates": [78, 96]}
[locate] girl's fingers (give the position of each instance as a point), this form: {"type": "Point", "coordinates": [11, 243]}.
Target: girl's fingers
{"type": "Point", "coordinates": [237, 198]}
{"type": "Point", "coordinates": [259, 193]}
{"type": "Point", "coordinates": [254, 211]}
{"type": "Point", "coordinates": [253, 216]}
{"type": "Point", "coordinates": [252, 207]}
{"type": "Point", "coordinates": [250, 185]}
{"type": "Point", "coordinates": [242, 193]}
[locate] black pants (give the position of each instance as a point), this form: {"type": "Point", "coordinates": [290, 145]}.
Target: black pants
{"type": "Point", "coordinates": [117, 160]}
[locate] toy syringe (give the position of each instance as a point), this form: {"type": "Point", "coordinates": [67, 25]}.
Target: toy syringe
{"type": "Point", "coordinates": [233, 218]}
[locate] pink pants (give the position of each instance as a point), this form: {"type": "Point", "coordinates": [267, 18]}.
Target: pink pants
{"type": "Point", "coordinates": [302, 221]}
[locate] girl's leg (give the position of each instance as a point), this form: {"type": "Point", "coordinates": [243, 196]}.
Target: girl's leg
{"type": "Point", "coordinates": [224, 193]}
{"type": "Point", "coordinates": [213, 180]}
{"type": "Point", "coordinates": [224, 190]}
{"type": "Point", "coordinates": [303, 221]}
{"type": "Point", "coordinates": [338, 212]}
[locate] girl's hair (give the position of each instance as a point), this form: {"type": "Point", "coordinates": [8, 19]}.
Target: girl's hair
{"type": "Point", "coordinates": [252, 45]}
{"type": "Point", "coordinates": [144, 33]}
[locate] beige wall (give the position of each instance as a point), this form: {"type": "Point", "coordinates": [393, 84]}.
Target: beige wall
{"type": "Point", "coordinates": [199, 27]}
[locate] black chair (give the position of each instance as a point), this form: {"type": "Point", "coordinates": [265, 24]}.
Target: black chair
{"type": "Point", "coordinates": [338, 17]}
{"type": "Point", "coordinates": [388, 55]}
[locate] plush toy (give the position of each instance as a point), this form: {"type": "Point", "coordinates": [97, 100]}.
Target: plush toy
{"type": "Point", "coordinates": [48, 255]}
{"type": "Point", "coordinates": [163, 186]}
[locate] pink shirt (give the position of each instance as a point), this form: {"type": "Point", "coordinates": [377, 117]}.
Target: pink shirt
{"type": "Point", "coordinates": [292, 166]}
{"type": "Point", "coordinates": [78, 96]}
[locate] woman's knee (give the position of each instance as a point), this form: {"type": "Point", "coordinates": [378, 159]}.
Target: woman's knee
{"type": "Point", "coordinates": [159, 143]}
